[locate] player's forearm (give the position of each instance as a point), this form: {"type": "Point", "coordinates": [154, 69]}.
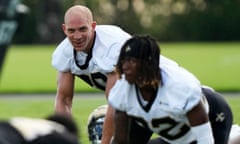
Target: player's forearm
{"type": "Point", "coordinates": [62, 107]}
{"type": "Point", "coordinates": [107, 127]}
{"type": "Point", "coordinates": [203, 133]}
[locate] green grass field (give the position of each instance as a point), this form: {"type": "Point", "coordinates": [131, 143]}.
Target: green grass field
{"type": "Point", "coordinates": [39, 107]}
{"type": "Point", "coordinates": [28, 69]}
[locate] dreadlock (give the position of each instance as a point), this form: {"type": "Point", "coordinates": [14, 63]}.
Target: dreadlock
{"type": "Point", "coordinates": [146, 49]}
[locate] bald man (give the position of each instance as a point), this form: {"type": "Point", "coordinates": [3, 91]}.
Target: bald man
{"type": "Point", "coordinates": [89, 52]}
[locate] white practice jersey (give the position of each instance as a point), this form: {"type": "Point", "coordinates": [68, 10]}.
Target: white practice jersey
{"type": "Point", "coordinates": [108, 42]}
{"type": "Point", "coordinates": [166, 115]}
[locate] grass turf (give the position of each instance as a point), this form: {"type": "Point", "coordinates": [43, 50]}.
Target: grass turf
{"type": "Point", "coordinates": [28, 69]}
{"type": "Point", "coordinates": [41, 106]}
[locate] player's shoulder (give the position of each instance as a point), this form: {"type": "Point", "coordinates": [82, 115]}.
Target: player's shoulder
{"type": "Point", "coordinates": [108, 42]}
{"type": "Point", "coordinates": [109, 38]}
{"type": "Point", "coordinates": [167, 61]}
{"type": "Point", "coordinates": [118, 96]}
{"type": "Point", "coordinates": [63, 55]}
{"type": "Point", "coordinates": [111, 32]}
{"type": "Point", "coordinates": [174, 73]}
{"type": "Point", "coordinates": [64, 48]}
{"type": "Point", "coordinates": [108, 28]}
{"type": "Point", "coordinates": [120, 85]}
{"type": "Point", "coordinates": [180, 90]}
{"type": "Point", "coordinates": [180, 97]}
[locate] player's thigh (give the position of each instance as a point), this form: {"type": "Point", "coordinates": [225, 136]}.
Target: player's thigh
{"type": "Point", "coordinates": [220, 115]}
{"type": "Point", "coordinates": [139, 134]}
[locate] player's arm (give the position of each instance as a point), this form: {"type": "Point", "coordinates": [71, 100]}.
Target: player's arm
{"type": "Point", "coordinates": [200, 124]}
{"type": "Point", "coordinates": [64, 96]}
{"type": "Point", "coordinates": [108, 122]}
{"type": "Point", "coordinates": [121, 124]}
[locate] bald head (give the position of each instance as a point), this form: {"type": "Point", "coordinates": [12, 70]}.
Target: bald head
{"type": "Point", "coordinates": [78, 11]}
{"type": "Point", "coordinates": [79, 27]}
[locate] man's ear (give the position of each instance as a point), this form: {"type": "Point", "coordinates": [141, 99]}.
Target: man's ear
{"type": "Point", "coordinates": [64, 28]}
{"type": "Point", "coordinates": [94, 24]}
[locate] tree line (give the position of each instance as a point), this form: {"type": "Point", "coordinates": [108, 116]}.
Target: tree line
{"type": "Point", "coordinates": [166, 20]}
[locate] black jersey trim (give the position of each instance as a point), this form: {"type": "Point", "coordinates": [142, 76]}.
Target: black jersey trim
{"type": "Point", "coordinates": [148, 106]}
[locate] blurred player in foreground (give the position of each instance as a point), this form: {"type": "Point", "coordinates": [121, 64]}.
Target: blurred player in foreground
{"type": "Point", "coordinates": [8, 26]}
{"type": "Point", "coordinates": [152, 96]}
{"type": "Point", "coordinates": [96, 118]}
{"type": "Point", "coordinates": [55, 129]}
{"type": "Point", "coordinates": [11, 12]}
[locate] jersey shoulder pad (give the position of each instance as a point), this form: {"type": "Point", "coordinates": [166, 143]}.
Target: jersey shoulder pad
{"type": "Point", "coordinates": [62, 56]}
{"type": "Point", "coordinates": [181, 95]}
{"type": "Point", "coordinates": [118, 96]}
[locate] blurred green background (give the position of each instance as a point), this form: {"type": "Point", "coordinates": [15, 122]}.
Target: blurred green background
{"type": "Point", "coordinates": [28, 68]}
{"type": "Point", "coordinates": [202, 36]}
{"type": "Point", "coordinates": [167, 20]}
{"type": "Point", "coordinates": [40, 107]}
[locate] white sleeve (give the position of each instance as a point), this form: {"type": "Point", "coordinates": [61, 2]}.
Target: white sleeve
{"type": "Point", "coordinates": [118, 95]}
{"type": "Point", "coordinates": [62, 56]}
{"type": "Point", "coordinates": [185, 96]}
{"type": "Point", "coordinates": [108, 62]}
{"type": "Point", "coordinates": [203, 133]}
{"type": "Point", "coordinates": [166, 61]}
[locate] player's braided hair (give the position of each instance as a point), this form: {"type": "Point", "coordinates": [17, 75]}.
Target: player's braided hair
{"type": "Point", "coordinates": [146, 49]}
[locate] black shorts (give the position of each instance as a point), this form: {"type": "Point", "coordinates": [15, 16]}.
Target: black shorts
{"type": "Point", "coordinates": [220, 116]}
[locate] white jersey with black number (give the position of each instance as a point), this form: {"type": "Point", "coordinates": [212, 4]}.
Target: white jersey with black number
{"type": "Point", "coordinates": [166, 114]}
{"type": "Point", "coordinates": [103, 58]}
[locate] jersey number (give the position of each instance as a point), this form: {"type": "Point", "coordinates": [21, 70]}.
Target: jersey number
{"type": "Point", "coordinates": [168, 127]}
{"type": "Point", "coordinates": [97, 80]}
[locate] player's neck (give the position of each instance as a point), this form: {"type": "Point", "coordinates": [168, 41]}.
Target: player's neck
{"type": "Point", "coordinates": [148, 93]}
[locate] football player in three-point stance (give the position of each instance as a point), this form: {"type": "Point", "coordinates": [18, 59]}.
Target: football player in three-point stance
{"type": "Point", "coordinates": [89, 52]}
{"type": "Point", "coordinates": [152, 96]}
{"type": "Point", "coordinates": [95, 123]}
